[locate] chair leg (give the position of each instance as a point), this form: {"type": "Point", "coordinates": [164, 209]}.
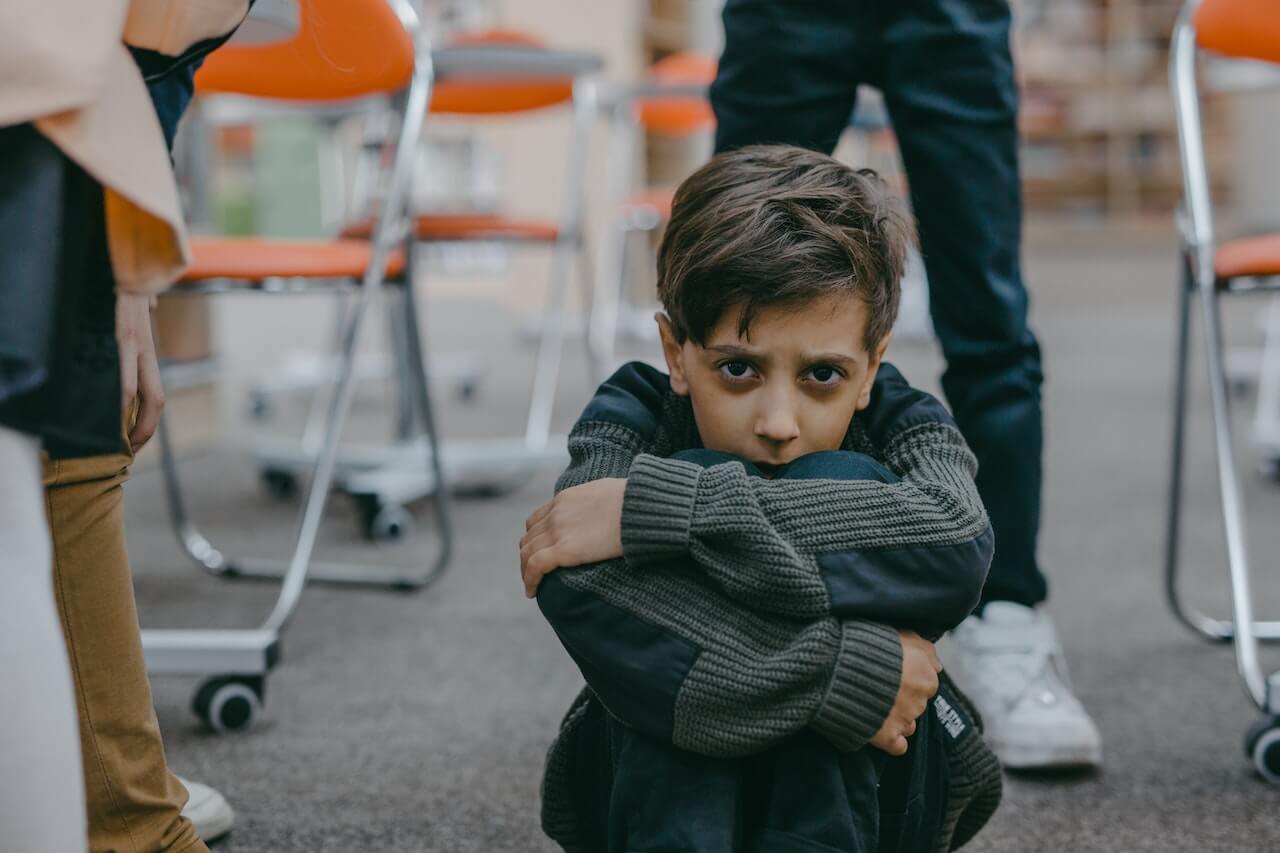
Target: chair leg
{"type": "Point", "coordinates": [1266, 425]}
{"type": "Point", "coordinates": [402, 372]}
{"type": "Point", "coordinates": [1246, 633]}
{"type": "Point", "coordinates": [550, 347]}
{"type": "Point", "coordinates": [189, 537]}
{"type": "Point", "coordinates": [419, 386]}
{"type": "Point", "coordinates": [1214, 630]}
{"type": "Point", "coordinates": [299, 567]}
{"type": "Point", "coordinates": [1210, 628]}
{"type": "Point", "coordinates": [590, 292]}
{"type": "Point", "coordinates": [607, 308]}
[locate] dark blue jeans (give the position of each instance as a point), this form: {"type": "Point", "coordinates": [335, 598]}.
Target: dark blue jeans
{"type": "Point", "coordinates": [789, 74]}
{"type": "Point", "coordinates": [640, 794]}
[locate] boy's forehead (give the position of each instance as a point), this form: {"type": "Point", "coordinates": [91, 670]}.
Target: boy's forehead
{"type": "Point", "coordinates": [833, 323]}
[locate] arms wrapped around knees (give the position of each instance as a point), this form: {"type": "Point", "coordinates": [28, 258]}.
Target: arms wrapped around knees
{"type": "Point", "coordinates": [669, 653]}
{"type": "Point", "coordinates": [835, 533]}
{"type": "Point", "coordinates": [679, 660]}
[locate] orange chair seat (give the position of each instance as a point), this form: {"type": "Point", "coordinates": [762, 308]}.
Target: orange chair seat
{"type": "Point", "coordinates": [255, 258]}
{"type": "Point", "coordinates": [434, 227]}
{"type": "Point", "coordinates": [659, 199]}
{"type": "Point", "coordinates": [1248, 257]}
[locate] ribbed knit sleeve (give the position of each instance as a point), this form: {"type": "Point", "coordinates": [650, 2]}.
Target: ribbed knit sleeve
{"type": "Point", "coordinates": [658, 506]}
{"type": "Point", "coordinates": [864, 685]}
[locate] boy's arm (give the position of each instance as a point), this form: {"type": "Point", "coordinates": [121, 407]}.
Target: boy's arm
{"type": "Point", "coordinates": [686, 664]}
{"type": "Point", "coordinates": [894, 552]}
{"type": "Point", "coordinates": [673, 656]}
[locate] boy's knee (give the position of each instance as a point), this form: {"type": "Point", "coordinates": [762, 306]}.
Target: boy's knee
{"type": "Point", "coordinates": [836, 465]}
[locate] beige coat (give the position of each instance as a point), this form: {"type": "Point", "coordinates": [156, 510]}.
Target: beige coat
{"type": "Point", "coordinates": [64, 66]}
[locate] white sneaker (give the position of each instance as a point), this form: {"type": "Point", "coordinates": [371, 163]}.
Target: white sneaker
{"type": "Point", "coordinates": [207, 810]}
{"type": "Point", "coordinates": [1010, 663]}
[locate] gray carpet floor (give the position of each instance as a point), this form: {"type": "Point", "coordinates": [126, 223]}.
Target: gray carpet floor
{"type": "Point", "coordinates": [419, 722]}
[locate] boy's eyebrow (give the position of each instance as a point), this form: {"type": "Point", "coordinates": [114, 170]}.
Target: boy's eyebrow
{"type": "Point", "coordinates": [734, 350]}
{"type": "Point", "coordinates": [832, 357]}
{"type": "Point", "coordinates": [737, 351]}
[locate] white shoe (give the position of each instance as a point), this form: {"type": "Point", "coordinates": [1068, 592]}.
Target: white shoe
{"type": "Point", "coordinates": [207, 810]}
{"type": "Point", "coordinates": [1010, 663]}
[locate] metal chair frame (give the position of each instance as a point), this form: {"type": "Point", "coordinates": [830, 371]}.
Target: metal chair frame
{"type": "Point", "coordinates": [242, 657]}
{"type": "Point", "coordinates": [392, 472]}
{"type": "Point", "coordinates": [1200, 284]}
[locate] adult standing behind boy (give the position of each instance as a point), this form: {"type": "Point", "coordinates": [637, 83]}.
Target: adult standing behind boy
{"type": "Point", "coordinates": [789, 74]}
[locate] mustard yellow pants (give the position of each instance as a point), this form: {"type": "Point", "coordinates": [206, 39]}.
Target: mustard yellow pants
{"type": "Point", "coordinates": [134, 802]}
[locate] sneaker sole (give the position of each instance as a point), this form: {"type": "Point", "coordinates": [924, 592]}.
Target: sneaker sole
{"type": "Point", "coordinates": [215, 829]}
{"type": "Point", "coordinates": [1039, 756]}
{"type": "Point", "coordinates": [212, 827]}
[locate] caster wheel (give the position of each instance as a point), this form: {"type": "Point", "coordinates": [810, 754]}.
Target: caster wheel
{"type": "Point", "coordinates": [466, 391]}
{"type": "Point", "coordinates": [229, 703]}
{"type": "Point", "coordinates": [391, 524]}
{"type": "Point", "coordinates": [281, 485]}
{"type": "Point", "coordinates": [1262, 745]}
{"type": "Point", "coordinates": [384, 522]}
{"type": "Point", "coordinates": [1269, 469]}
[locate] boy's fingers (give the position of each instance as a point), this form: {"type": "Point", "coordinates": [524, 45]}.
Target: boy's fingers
{"type": "Point", "coordinates": [898, 746]}
{"type": "Point", "coordinates": [538, 565]}
{"type": "Point", "coordinates": [531, 545]}
{"type": "Point", "coordinates": [538, 514]}
{"type": "Point", "coordinates": [540, 526]}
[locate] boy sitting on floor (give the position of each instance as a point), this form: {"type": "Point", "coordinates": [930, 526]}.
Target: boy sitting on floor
{"type": "Point", "coordinates": [755, 551]}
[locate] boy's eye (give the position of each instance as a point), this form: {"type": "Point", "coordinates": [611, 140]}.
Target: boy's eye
{"type": "Point", "coordinates": [824, 375]}
{"type": "Point", "coordinates": [737, 369]}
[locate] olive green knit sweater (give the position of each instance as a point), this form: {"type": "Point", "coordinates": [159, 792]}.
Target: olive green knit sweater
{"type": "Point", "coordinates": [745, 609]}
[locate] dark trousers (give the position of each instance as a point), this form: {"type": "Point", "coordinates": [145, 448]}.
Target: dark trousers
{"type": "Point", "coordinates": [789, 74]}
{"type": "Point", "coordinates": [641, 794]}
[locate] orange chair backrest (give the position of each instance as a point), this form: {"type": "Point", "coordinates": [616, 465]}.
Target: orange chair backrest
{"type": "Point", "coordinates": [342, 49]}
{"type": "Point", "coordinates": [1246, 29]}
{"type": "Point", "coordinates": [678, 115]}
{"type": "Point", "coordinates": [498, 96]}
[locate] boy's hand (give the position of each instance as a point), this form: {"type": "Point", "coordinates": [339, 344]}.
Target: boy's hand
{"type": "Point", "coordinates": [920, 668]}
{"type": "Point", "coordinates": [581, 525]}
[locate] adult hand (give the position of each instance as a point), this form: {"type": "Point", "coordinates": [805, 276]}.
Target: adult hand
{"type": "Point", "coordinates": [920, 668]}
{"type": "Point", "coordinates": [139, 367]}
{"type": "Point", "coordinates": [581, 525]}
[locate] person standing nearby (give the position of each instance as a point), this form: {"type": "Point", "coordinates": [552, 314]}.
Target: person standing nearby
{"type": "Point", "coordinates": [789, 73]}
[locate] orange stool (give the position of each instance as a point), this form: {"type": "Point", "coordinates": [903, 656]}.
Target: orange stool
{"type": "Point", "coordinates": [1244, 29]}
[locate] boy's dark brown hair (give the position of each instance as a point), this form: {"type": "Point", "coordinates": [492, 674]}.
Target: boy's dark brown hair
{"type": "Point", "coordinates": [776, 224]}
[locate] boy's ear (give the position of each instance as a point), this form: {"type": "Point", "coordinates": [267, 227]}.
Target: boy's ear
{"type": "Point", "coordinates": [864, 398]}
{"type": "Point", "coordinates": [674, 353]}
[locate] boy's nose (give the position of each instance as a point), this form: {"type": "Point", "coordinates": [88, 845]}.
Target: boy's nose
{"type": "Point", "coordinates": [777, 423]}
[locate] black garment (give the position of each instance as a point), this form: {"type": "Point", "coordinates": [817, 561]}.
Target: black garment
{"type": "Point", "coordinates": [59, 366]}
{"type": "Point", "coordinates": [57, 300]}
{"type": "Point", "coordinates": [789, 74]}
{"type": "Point", "coordinates": [638, 794]}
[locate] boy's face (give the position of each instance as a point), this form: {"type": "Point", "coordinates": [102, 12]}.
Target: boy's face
{"type": "Point", "coordinates": [786, 389]}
